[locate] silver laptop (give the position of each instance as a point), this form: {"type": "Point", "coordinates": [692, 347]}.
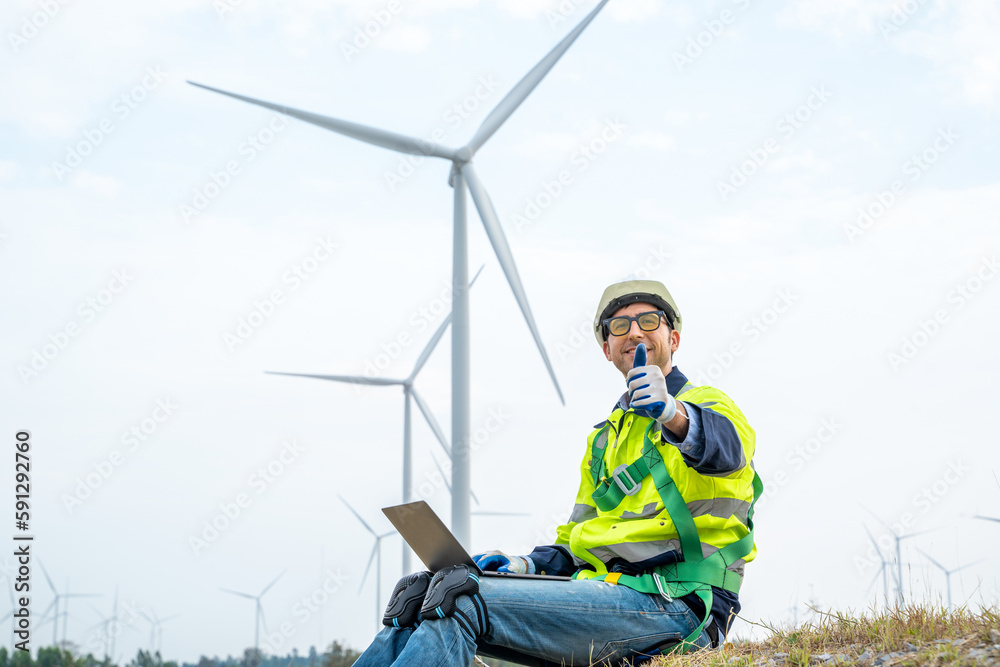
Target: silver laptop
{"type": "Point", "coordinates": [431, 540]}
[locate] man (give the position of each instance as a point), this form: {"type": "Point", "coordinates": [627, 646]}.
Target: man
{"type": "Point", "coordinates": [656, 543]}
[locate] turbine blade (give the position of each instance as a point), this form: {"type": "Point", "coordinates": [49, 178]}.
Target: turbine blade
{"type": "Point", "coordinates": [874, 543]}
{"type": "Point", "coordinates": [426, 412]}
{"type": "Point", "coordinates": [425, 355]}
{"type": "Point", "coordinates": [491, 222]}
{"type": "Point", "coordinates": [369, 566]}
{"type": "Point", "coordinates": [350, 379]}
{"type": "Point", "coordinates": [519, 92]}
{"type": "Point", "coordinates": [986, 518]}
{"type": "Point", "coordinates": [444, 477]}
{"type": "Point", "coordinates": [929, 530]}
{"type": "Point", "coordinates": [476, 277]}
{"type": "Point", "coordinates": [431, 344]}
{"type": "Point", "coordinates": [45, 613]}
{"type": "Point", "coordinates": [879, 520]}
{"type": "Point", "coordinates": [924, 554]}
{"type": "Point", "coordinates": [875, 578]}
{"type": "Point", "coordinates": [969, 565]}
{"type": "Point", "coordinates": [48, 578]}
{"type": "Point", "coordinates": [266, 588]}
{"type": "Point", "coordinates": [242, 595]}
{"type": "Point", "coordinates": [363, 522]}
{"type": "Point", "coordinates": [370, 135]}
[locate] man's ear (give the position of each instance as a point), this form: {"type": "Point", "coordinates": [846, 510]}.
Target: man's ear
{"type": "Point", "coordinates": [675, 340]}
{"type": "Point", "coordinates": [607, 350]}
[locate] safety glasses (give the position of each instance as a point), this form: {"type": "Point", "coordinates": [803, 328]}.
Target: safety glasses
{"type": "Point", "coordinates": [619, 326]}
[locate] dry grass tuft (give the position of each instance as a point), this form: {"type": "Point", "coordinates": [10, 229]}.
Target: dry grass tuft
{"type": "Point", "coordinates": [907, 636]}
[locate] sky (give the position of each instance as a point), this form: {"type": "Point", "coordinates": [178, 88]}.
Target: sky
{"type": "Point", "coordinates": [815, 181]}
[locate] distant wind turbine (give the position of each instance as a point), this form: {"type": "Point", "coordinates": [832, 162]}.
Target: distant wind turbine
{"type": "Point", "coordinates": [156, 628]}
{"type": "Point", "coordinates": [883, 570]}
{"type": "Point", "coordinates": [462, 177]}
{"type": "Point", "coordinates": [409, 391]}
{"type": "Point", "coordinates": [948, 573]}
{"type": "Point", "coordinates": [376, 553]}
{"type": "Point", "coordinates": [259, 613]}
{"type": "Point", "coordinates": [55, 605]}
{"type": "Point", "coordinates": [110, 629]}
{"type": "Point", "coordinates": [899, 555]}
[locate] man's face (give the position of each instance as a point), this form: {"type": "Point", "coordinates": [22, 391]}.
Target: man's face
{"type": "Point", "coordinates": [660, 344]}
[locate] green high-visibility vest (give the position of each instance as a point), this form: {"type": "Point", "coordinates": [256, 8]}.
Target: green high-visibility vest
{"type": "Point", "coordinates": [638, 498]}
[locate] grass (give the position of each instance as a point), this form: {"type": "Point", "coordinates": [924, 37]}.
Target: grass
{"type": "Point", "coordinates": [913, 634]}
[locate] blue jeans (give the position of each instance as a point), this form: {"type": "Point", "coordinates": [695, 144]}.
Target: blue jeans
{"type": "Point", "coordinates": [562, 622]}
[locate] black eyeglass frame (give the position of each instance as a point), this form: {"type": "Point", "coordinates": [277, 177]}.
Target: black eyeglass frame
{"type": "Point", "coordinates": [607, 322]}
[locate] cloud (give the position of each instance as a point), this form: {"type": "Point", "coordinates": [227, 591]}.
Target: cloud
{"type": "Point", "coordinates": [407, 38]}
{"type": "Point", "coordinates": [565, 12]}
{"type": "Point", "coordinates": [8, 170]}
{"type": "Point", "coordinates": [968, 49]}
{"type": "Point", "coordinates": [959, 39]}
{"type": "Point", "coordinates": [657, 141]}
{"type": "Point", "coordinates": [634, 10]}
{"type": "Point", "coordinates": [842, 18]}
{"type": "Point", "coordinates": [88, 181]}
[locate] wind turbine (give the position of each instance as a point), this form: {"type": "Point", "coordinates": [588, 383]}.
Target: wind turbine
{"type": "Point", "coordinates": [462, 177]}
{"type": "Point", "coordinates": [110, 629]}
{"type": "Point", "coordinates": [259, 614]}
{"type": "Point", "coordinates": [899, 557]}
{"type": "Point", "coordinates": [55, 605]}
{"type": "Point", "coordinates": [376, 552]}
{"type": "Point", "coordinates": [409, 391]}
{"type": "Point", "coordinates": [883, 570]}
{"type": "Point", "coordinates": [948, 573]}
{"type": "Point", "coordinates": [156, 628]}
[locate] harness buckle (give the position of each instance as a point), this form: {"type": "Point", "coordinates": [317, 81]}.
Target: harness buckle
{"type": "Point", "coordinates": [659, 586]}
{"type": "Point", "coordinates": [633, 486]}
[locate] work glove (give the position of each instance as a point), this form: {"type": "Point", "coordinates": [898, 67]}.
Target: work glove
{"type": "Point", "coordinates": [498, 561]}
{"type": "Point", "coordinates": [647, 389]}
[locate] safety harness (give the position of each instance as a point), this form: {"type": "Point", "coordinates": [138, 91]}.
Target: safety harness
{"type": "Point", "coordinates": [696, 573]}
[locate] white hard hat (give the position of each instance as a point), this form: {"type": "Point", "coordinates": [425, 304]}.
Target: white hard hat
{"type": "Point", "coordinates": [635, 291]}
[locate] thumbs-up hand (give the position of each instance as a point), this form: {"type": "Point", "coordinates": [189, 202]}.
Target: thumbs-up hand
{"type": "Point", "coordinates": [647, 389]}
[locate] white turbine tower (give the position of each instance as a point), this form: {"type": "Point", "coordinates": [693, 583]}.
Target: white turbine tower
{"type": "Point", "coordinates": [259, 613]}
{"type": "Point", "coordinates": [409, 391]}
{"type": "Point", "coordinates": [462, 176]}
{"type": "Point", "coordinates": [376, 553]}
{"type": "Point", "coordinates": [948, 573]}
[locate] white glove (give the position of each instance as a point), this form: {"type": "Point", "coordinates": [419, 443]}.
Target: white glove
{"type": "Point", "coordinates": [648, 395]}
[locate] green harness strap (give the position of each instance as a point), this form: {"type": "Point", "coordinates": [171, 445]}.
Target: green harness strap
{"type": "Point", "coordinates": [696, 573]}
